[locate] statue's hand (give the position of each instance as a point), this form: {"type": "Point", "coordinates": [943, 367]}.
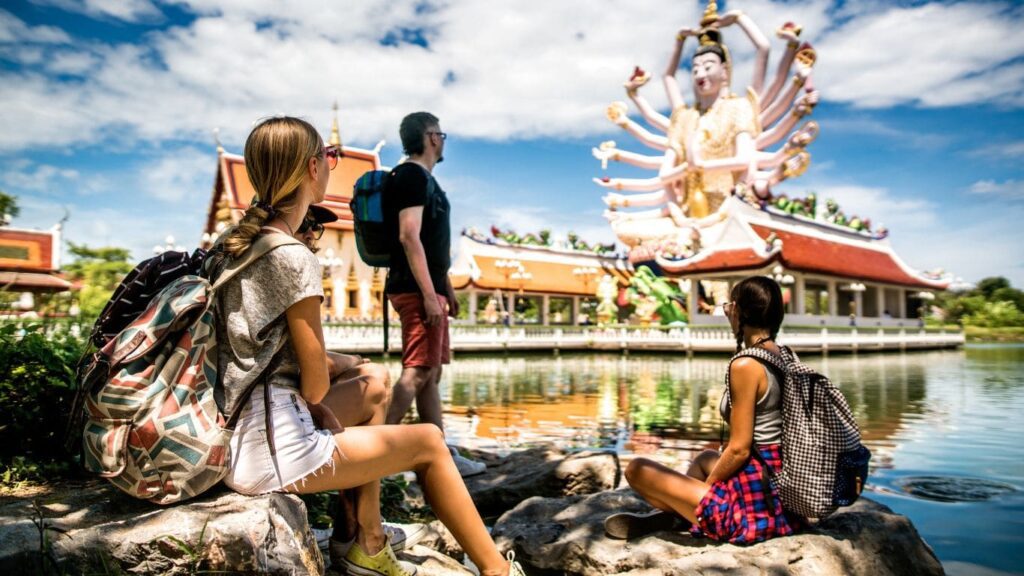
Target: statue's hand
{"type": "Point", "coordinates": [729, 18]}
{"type": "Point", "coordinates": [636, 80]}
{"type": "Point", "coordinates": [615, 200]}
{"type": "Point", "coordinates": [616, 112]}
{"type": "Point", "coordinates": [806, 104]}
{"type": "Point", "coordinates": [790, 33]}
{"type": "Point", "coordinates": [684, 32]}
{"type": "Point", "coordinates": [610, 183]}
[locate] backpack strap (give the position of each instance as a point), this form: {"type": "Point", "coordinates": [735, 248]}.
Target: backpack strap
{"type": "Point", "coordinates": [263, 244]}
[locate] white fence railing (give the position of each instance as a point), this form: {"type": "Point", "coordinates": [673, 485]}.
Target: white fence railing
{"type": "Point", "coordinates": [475, 338]}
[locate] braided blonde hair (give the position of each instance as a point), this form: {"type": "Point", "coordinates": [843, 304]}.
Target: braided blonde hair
{"type": "Point", "coordinates": [276, 155]}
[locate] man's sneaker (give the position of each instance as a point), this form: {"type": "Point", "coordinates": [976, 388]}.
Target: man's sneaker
{"type": "Point", "coordinates": [403, 536]}
{"type": "Point", "coordinates": [383, 563]}
{"type": "Point", "coordinates": [468, 467]}
{"type": "Point", "coordinates": [514, 569]}
{"type": "Point", "coordinates": [626, 525]}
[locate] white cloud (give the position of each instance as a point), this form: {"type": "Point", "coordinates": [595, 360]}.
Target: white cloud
{"type": "Point", "coordinates": [932, 55]}
{"type": "Point", "coordinates": [891, 134]}
{"type": "Point", "coordinates": [42, 178]}
{"type": "Point", "coordinates": [14, 30]}
{"type": "Point", "coordinates": [493, 70]}
{"type": "Point", "coordinates": [185, 174]}
{"type": "Point", "coordinates": [1012, 150]}
{"type": "Point", "coordinates": [127, 10]}
{"type": "Point", "coordinates": [1012, 189]}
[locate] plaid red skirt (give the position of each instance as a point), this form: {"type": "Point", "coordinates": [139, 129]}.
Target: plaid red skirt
{"type": "Point", "coordinates": [745, 508]}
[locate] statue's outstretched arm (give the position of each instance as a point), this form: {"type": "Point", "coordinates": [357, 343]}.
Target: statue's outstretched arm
{"type": "Point", "coordinates": [617, 113]}
{"type": "Point", "coordinates": [615, 200]}
{"type": "Point", "coordinates": [675, 96]}
{"type": "Point", "coordinates": [653, 117]}
{"type": "Point", "coordinates": [641, 215]}
{"type": "Point", "coordinates": [667, 175]}
{"type": "Point", "coordinates": [772, 113]}
{"type": "Point", "coordinates": [757, 38]}
{"type": "Point", "coordinates": [789, 35]}
{"type": "Point", "coordinates": [801, 108]}
{"type": "Point", "coordinates": [799, 140]}
{"type": "Point", "coordinates": [606, 153]}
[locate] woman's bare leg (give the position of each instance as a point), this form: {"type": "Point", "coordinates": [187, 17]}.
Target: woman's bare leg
{"type": "Point", "coordinates": [369, 453]}
{"type": "Point", "coordinates": [702, 465]}
{"type": "Point", "coordinates": [359, 397]}
{"type": "Point", "coordinates": [666, 489]}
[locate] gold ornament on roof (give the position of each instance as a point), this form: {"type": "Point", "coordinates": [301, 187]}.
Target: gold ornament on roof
{"type": "Point", "coordinates": [335, 139]}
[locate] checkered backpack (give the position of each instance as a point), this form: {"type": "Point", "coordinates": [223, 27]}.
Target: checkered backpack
{"type": "Point", "coordinates": [152, 426]}
{"type": "Point", "coordinates": [824, 464]}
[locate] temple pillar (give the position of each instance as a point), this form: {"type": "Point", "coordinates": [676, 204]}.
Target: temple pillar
{"type": "Point", "coordinates": [545, 309]}
{"type": "Point", "coordinates": [858, 303]}
{"type": "Point", "coordinates": [880, 299]}
{"type": "Point", "coordinates": [691, 299]}
{"type": "Point", "coordinates": [799, 289]}
{"type": "Point", "coordinates": [833, 299]}
{"type": "Point", "coordinates": [575, 310]}
{"type": "Point", "coordinates": [511, 307]}
{"type": "Point", "coordinates": [903, 302]}
{"type": "Point", "coordinates": [472, 306]}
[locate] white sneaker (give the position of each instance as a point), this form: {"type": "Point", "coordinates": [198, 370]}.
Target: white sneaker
{"type": "Point", "coordinates": [404, 535]}
{"type": "Point", "coordinates": [468, 467]}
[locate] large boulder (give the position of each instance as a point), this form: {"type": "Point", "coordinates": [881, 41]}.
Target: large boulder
{"type": "Point", "coordinates": [100, 528]}
{"type": "Point", "coordinates": [543, 472]}
{"type": "Point", "coordinates": [566, 535]}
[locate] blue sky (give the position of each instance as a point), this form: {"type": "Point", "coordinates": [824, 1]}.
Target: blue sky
{"type": "Point", "coordinates": [108, 107]}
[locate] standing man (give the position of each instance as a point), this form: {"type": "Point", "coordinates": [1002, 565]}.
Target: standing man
{"type": "Point", "coordinates": [418, 217]}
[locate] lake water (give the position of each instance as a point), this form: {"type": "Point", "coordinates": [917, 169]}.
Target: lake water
{"type": "Point", "coordinates": [945, 427]}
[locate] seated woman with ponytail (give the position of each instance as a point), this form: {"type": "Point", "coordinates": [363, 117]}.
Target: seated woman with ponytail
{"type": "Point", "coordinates": [268, 327]}
{"type": "Point", "coordinates": [727, 496]}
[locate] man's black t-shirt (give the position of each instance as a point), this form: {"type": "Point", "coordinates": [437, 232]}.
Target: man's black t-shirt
{"type": "Point", "coordinates": [408, 187]}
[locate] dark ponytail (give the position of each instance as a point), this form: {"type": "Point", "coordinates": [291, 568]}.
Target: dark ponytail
{"type": "Point", "coordinates": [758, 302]}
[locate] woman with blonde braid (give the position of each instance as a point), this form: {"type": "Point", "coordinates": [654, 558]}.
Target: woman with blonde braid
{"type": "Point", "coordinates": [268, 326]}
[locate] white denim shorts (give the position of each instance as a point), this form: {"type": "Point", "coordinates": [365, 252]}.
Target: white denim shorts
{"type": "Point", "coordinates": [301, 448]}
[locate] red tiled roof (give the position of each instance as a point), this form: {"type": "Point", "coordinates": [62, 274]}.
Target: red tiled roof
{"type": "Point", "coordinates": [32, 281]}
{"type": "Point", "coordinates": [721, 261]}
{"type": "Point", "coordinates": [810, 254]}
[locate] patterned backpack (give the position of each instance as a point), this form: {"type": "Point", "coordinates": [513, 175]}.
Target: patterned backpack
{"type": "Point", "coordinates": [152, 426]}
{"type": "Point", "coordinates": [824, 464]}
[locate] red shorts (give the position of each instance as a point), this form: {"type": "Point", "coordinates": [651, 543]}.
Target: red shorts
{"type": "Point", "coordinates": [422, 345]}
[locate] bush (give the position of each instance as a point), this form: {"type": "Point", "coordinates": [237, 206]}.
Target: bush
{"type": "Point", "coordinates": [36, 392]}
{"type": "Point", "coordinates": [995, 314]}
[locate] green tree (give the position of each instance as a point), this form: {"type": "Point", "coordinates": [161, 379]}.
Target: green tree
{"type": "Point", "coordinates": [8, 207]}
{"type": "Point", "coordinates": [99, 270]}
{"type": "Point", "coordinates": [988, 286]}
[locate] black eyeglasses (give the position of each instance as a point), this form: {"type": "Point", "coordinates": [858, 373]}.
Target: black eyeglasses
{"type": "Point", "coordinates": [443, 135]}
{"type": "Point", "coordinates": [310, 225]}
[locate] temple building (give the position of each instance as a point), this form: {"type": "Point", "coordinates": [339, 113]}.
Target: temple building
{"type": "Point", "coordinates": [534, 279]}
{"type": "Point", "coordinates": [30, 265]}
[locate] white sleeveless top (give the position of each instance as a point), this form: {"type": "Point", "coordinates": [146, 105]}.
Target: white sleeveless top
{"type": "Point", "coordinates": [767, 412]}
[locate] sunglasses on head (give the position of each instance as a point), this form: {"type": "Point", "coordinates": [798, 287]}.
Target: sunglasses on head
{"type": "Point", "coordinates": [311, 225]}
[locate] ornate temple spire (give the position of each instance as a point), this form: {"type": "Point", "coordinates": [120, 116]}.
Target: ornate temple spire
{"type": "Point", "coordinates": [335, 133]}
{"type": "Point", "coordinates": [710, 14]}
{"type": "Point", "coordinates": [216, 140]}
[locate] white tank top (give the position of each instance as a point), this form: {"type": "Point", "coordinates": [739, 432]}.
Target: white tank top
{"type": "Point", "coordinates": [767, 412]}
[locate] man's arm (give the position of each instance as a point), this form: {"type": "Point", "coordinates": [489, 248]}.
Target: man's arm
{"type": "Point", "coordinates": [453, 301]}
{"type": "Point", "coordinates": [410, 221]}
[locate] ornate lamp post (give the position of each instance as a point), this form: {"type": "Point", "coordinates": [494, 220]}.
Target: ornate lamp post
{"type": "Point", "coordinates": [168, 246]}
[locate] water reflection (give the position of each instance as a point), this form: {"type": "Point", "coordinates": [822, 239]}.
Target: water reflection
{"type": "Point", "coordinates": [655, 404]}
{"type": "Point", "coordinates": [949, 417]}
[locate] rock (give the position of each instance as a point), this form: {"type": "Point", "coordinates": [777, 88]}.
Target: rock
{"type": "Point", "coordinates": [221, 532]}
{"type": "Point", "coordinates": [566, 535]}
{"type": "Point", "coordinates": [541, 472]}
{"type": "Point", "coordinates": [439, 538]}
